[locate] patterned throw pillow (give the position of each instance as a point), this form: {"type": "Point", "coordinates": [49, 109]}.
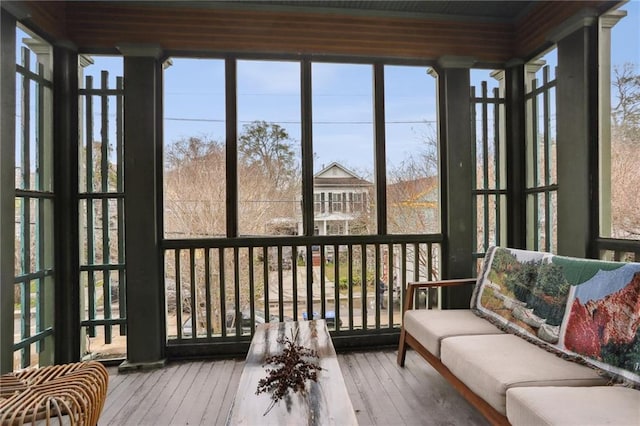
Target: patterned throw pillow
{"type": "Point", "coordinates": [580, 308]}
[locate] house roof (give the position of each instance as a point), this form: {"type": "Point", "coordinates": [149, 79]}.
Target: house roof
{"type": "Point", "coordinates": [340, 182]}
{"type": "Point", "coordinates": [413, 192]}
{"type": "Point", "coordinates": [336, 174]}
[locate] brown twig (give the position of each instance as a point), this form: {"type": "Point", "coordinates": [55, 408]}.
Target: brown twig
{"type": "Point", "coordinates": [293, 369]}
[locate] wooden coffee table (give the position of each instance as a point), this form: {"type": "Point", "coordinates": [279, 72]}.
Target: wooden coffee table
{"type": "Point", "coordinates": [327, 401]}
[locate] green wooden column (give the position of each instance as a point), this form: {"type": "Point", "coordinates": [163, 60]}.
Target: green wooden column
{"type": "Point", "coordinates": [457, 167]}
{"type": "Point", "coordinates": [65, 115]}
{"type": "Point", "coordinates": [45, 242]}
{"type": "Point", "coordinates": [516, 154]}
{"type": "Point", "coordinates": [7, 185]}
{"type": "Point", "coordinates": [577, 129]}
{"type": "Point", "coordinates": [145, 293]}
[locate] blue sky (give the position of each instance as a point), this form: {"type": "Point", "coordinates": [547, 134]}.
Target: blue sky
{"type": "Point", "coordinates": [342, 100]}
{"type": "Point", "coordinates": [625, 37]}
{"type": "Point", "coordinates": [342, 105]}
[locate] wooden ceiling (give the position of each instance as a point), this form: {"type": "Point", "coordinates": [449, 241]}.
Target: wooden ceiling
{"type": "Point", "coordinates": [490, 32]}
{"type": "Point", "coordinates": [489, 11]}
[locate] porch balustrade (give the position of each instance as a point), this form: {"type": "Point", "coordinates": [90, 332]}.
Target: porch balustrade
{"type": "Point", "coordinates": [218, 290]}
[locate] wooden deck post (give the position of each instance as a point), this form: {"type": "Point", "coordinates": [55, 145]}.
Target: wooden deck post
{"type": "Point", "coordinates": [577, 144]}
{"type": "Point", "coordinates": [145, 294]}
{"type": "Point", "coordinates": [7, 186]}
{"type": "Point", "coordinates": [458, 167]}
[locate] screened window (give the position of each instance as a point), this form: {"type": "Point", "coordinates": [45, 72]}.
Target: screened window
{"type": "Point", "coordinates": [34, 251]}
{"type": "Point", "coordinates": [269, 151]}
{"type": "Point", "coordinates": [343, 138]}
{"type": "Point", "coordinates": [101, 206]}
{"type": "Point", "coordinates": [194, 148]}
{"type": "Point", "coordinates": [542, 181]}
{"type": "Point", "coordinates": [489, 176]}
{"type": "Point", "coordinates": [413, 190]}
{"type": "Point", "coordinates": [620, 132]}
{"type": "Point", "coordinates": [269, 133]}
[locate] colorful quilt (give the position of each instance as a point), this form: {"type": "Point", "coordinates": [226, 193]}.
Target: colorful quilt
{"type": "Point", "coordinates": [584, 308]}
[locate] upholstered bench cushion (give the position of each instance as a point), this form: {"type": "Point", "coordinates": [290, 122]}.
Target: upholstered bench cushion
{"type": "Point", "coordinates": [430, 326]}
{"type": "Point", "coordinates": [598, 405]}
{"type": "Point", "coordinates": [491, 364]}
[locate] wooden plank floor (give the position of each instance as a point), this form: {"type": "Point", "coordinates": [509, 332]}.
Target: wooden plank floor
{"type": "Point", "coordinates": [200, 393]}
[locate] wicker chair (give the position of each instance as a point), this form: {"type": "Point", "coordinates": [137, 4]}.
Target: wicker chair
{"type": "Point", "coordinates": [74, 391]}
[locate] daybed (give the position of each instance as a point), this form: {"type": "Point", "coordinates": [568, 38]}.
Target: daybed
{"type": "Point", "coordinates": [548, 339]}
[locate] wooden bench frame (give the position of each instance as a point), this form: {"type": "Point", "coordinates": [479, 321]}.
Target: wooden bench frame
{"type": "Point", "coordinates": [407, 340]}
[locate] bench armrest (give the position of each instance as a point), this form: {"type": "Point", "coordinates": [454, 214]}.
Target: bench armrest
{"type": "Point", "coordinates": [412, 286]}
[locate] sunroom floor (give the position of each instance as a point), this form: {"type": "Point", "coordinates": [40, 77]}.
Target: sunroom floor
{"type": "Point", "coordinates": [201, 392]}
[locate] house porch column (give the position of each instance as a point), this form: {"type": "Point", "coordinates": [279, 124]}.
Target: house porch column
{"type": "Point", "coordinates": [7, 186]}
{"type": "Point", "coordinates": [577, 130]}
{"type": "Point", "coordinates": [145, 294]}
{"type": "Point", "coordinates": [457, 167]}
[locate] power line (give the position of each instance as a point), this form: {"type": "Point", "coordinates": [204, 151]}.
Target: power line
{"type": "Point", "coordinates": [323, 95]}
{"type": "Point", "coordinates": [217, 120]}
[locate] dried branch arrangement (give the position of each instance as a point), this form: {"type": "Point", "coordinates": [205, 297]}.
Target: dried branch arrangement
{"type": "Point", "coordinates": [293, 367]}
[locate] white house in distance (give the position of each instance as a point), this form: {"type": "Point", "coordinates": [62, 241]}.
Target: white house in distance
{"type": "Point", "coordinates": [339, 198]}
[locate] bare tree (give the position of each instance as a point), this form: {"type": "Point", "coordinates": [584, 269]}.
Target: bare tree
{"type": "Point", "coordinates": [625, 113]}
{"type": "Point", "coordinates": [191, 150]}
{"type": "Point", "coordinates": [412, 189]}
{"type": "Point", "coordinates": [268, 147]}
{"type": "Point", "coordinates": [625, 152]}
{"type": "Point", "coordinates": [195, 189]}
